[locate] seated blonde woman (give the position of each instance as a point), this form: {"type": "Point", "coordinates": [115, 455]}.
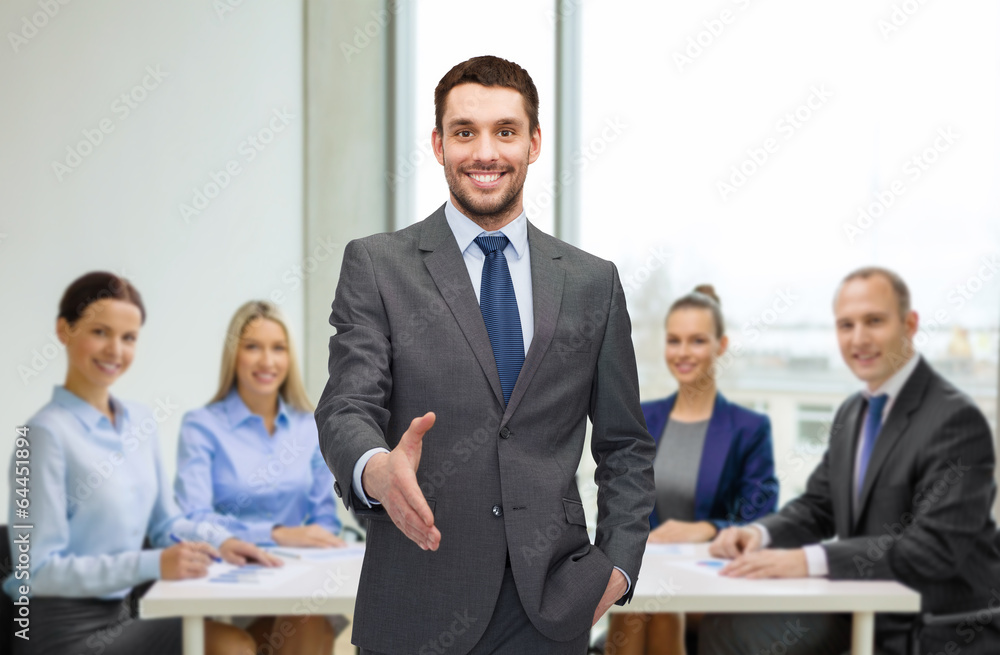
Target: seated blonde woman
{"type": "Point", "coordinates": [714, 463]}
{"type": "Point", "coordinates": [250, 463]}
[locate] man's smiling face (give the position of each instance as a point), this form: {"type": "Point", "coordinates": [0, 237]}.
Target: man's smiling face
{"type": "Point", "coordinates": [485, 146]}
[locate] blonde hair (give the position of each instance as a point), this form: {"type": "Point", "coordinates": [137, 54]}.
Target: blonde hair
{"type": "Point", "coordinates": [292, 390]}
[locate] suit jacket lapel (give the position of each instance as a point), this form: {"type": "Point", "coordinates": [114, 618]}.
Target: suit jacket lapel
{"type": "Point", "coordinates": [547, 278]}
{"type": "Point", "coordinates": [447, 268]}
{"type": "Point", "coordinates": [892, 430]}
{"type": "Point", "coordinates": [842, 466]}
{"type": "Point", "coordinates": [718, 439]}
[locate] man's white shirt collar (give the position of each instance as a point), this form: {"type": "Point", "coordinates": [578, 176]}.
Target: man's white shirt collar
{"type": "Point", "coordinates": [466, 231]}
{"type": "Point", "coordinates": [894, 384]}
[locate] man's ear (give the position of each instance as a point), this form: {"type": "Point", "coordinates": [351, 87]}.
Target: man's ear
{"type": "Point", "coordinates": [437, 143]}
{"type": "Point", "coordinates": [535, 147]}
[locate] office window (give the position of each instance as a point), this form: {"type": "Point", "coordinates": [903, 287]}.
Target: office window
{"type": "Point", "coordinates": [814, 422]}
{"type": "Point", "coordinates": [769, 149]}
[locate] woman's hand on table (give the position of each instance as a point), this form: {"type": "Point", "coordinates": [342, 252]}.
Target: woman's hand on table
{"type": "Point", "coordinates": [306, 536]}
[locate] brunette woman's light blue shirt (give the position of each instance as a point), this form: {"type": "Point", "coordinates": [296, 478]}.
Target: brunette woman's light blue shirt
{"type": "Point", "coordinates": [96, 491]}
{"type": "Point", "coordinates": [235, 474]}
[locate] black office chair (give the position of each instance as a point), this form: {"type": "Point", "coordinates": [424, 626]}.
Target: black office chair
{"type": "Point", "coordinates": [6, 604]}
{"type": "Point", "coordinates": [928, 619]}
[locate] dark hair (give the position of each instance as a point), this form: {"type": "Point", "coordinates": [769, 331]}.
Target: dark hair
{"type": "Point", "coordinates": [91, 287]}
{"type": "Point", "coordinates": [488, 71]}
{"type": "Point", "coordinates": [898, 285]}
{"type": "Point", "coordinates": [703, 297]}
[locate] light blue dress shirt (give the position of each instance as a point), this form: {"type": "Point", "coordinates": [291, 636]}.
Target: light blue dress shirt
{"type": "Point", "coordinates": [233, 473]}
{"type": "Point", "coordinates": [96, 490]}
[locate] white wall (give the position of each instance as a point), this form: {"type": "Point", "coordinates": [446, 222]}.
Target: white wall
{"type": "Point", "coordinates": [223, 78]}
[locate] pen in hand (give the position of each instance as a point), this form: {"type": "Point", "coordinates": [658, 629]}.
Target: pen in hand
{"type": "Point", "coordinates": [178, 540]}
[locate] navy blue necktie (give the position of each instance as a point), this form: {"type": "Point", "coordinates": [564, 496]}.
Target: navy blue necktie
{"type": "Point", "coordinates": [499, 307]}
{"type": "Point", "coordinates": [872, 426]}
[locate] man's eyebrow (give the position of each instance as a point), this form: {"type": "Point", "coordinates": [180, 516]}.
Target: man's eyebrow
{"type": "Point", "coordinates": [465, 122]}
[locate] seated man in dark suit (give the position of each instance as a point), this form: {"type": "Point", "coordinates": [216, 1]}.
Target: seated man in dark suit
{"type": "Point", "coordinates": [906, 486]}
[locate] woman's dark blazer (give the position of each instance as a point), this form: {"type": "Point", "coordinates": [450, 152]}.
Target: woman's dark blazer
{"type": "Point", "coordinates": [736, 481]}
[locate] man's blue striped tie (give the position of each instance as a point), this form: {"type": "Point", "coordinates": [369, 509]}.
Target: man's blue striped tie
{"type": "Point", "coordinates": [873, 425]}
{"type": "Point", "coordinates": [499, 306]}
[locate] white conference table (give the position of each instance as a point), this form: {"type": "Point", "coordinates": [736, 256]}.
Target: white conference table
{"type": "Point", "coordinates": [668, 582]}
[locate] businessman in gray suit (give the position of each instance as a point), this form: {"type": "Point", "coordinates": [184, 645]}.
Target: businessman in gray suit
{"type": "Point", "coordinates": [906, 486]}
{"type": "Point", "coordinates": [471, 348]}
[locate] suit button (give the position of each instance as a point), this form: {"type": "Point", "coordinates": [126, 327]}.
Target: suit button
{"type": "Point", "coordinates": [497, 511]}
{"type": "Point", "coordinates": [336, 489]}
{"type": "Point", "coordinates": [505, 432]}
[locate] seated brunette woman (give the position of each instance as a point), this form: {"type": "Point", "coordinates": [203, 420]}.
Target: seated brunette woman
{"type": "Point", "coordinates": [98, 490]}
{"type": "Point", "coordinates": [714, 464]}
{"type": "Point", "coordinates": [250, 462]}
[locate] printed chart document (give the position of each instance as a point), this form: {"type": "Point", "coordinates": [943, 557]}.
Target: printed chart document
{"type": "Point", "coordinates": [708, 566]}
{"type": "Point", "coordinates": [290, 554]}
{"type": "Point", "coordinates": [249, 575]}
{"type": "Point", "coordinates": [677, 550]}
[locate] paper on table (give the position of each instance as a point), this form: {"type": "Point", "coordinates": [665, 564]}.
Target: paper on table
{"type": "Point", "coordinates": [290, 554]}
{"type": "Point", "coordinates": [707, 566]}
{"type": "Point", "coordinates": [682, 550]}
{"type": "Point", "coordinates": [249, 575]}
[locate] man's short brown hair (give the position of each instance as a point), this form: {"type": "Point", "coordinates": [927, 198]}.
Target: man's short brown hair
{"type": "Point", "coordinates": [898, 285]}
{"type": "Point", "coordinates": [488, 71]}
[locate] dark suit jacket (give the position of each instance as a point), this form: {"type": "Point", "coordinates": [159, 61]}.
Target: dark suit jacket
{"type": "Point", "coordinates": [736, 481]}
{"type": "Point", "coordinates": [924, 516]}
{"type": "Point", "coordinates": [411, 339]}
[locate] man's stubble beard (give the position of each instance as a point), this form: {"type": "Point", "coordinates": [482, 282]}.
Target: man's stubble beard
{"type": "Point", "coordinates": [494, 212]}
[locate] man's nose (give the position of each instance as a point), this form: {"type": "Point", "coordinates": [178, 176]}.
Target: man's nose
{"type": "Point", "coordinates": [486, 149]}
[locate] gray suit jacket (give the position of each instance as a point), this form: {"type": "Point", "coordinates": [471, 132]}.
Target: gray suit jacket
{"type": "Point", "coordinates": [925, 512]}
{"type": "Point", "coordinates": [411, 339]}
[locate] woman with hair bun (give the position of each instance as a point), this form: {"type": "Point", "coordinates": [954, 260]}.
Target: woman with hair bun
{"type": "Point", "coordinates": [98, 490]}
{"type": "Point", "coordinates": [250, 461]}
{"type": "Point", "coordinates": [714, 464]}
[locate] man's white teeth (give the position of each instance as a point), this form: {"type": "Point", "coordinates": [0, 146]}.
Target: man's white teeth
{"type": "Point", "coordinates": [486, 178]}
